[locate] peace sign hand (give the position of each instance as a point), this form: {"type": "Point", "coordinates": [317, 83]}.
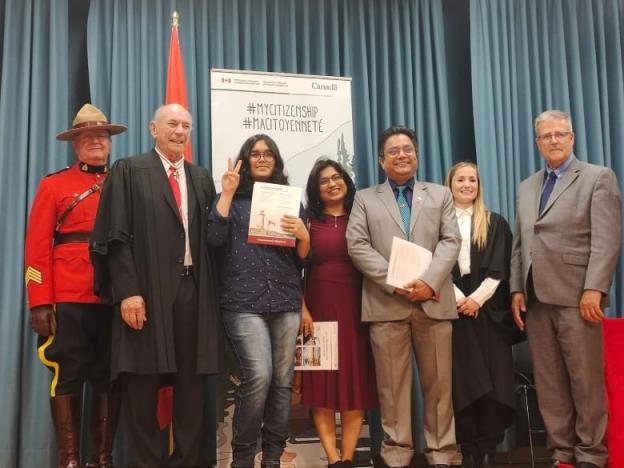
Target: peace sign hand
{"type": "Point", "coordinates": [231, 178]}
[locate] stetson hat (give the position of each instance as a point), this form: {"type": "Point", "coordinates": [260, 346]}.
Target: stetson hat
{"type": "Point", "coordinates": [90, 117]}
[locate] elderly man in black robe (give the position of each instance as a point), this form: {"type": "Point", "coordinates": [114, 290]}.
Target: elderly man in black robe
{"type": "Point", "coordinates": [151, 260]}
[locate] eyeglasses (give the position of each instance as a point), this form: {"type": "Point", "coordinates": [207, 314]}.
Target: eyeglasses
{"type": "Point", "coordinates": [556, 135]}
{"type": "Point", "coordinates": [396, 151]}
{"type": "Point", "coordinates": [267, 155]}
{"type": "Point", "coordinates": [333, 178]}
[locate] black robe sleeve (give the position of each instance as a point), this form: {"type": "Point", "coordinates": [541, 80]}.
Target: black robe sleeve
{"type": "Point", "coordinates": [494, 262]}
{"type": "Point", "coordinates": [482, 357]}
{"type": "Point", "coordinates": [112, 237]}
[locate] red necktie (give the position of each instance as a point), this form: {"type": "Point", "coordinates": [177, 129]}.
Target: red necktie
{"type": "Point", "coordinates": [175, 187]}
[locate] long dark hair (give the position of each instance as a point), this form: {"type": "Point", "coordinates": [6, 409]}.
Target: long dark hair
{"type": "Point", "coordinates": [314, 209]}
{"type": "Point", "coordinates": [245, 187]}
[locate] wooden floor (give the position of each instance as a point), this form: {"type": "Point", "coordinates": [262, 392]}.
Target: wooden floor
{"type": "Point", "coordinates": [304, 450]}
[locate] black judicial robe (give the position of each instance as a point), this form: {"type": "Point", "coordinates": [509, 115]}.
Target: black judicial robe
{"type": "Point", "coordinates": [137, 248]}
{"type": "Point", "coordinates": [482, 359]}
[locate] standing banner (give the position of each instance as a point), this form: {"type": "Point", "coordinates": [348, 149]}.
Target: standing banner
{"type": "Point", "coordinates": [308, 117]}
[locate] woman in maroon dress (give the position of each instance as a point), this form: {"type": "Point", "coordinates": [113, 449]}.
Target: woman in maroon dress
{"type": "Point", "coordinates": [332, 292]}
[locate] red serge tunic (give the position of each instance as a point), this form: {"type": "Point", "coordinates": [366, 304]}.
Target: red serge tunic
{"type": "Point", "coordinates": [62, 273]}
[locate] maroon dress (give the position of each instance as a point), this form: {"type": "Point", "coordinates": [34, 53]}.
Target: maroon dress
{"type": "Point", "coordinates": [333, 292]}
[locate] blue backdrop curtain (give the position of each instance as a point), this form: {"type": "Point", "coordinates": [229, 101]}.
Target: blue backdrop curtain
{"type": "Point", "coordinates": [394, 50]}
{"type": "Point", "coordinates": [33, 108]}
{"type": "Point", "coordinates": [527, 55]}
{"type": "Point", "coordinates": [533, 55]}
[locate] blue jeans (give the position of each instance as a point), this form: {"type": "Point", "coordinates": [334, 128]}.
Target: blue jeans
{"type": "Point", "coordinates": [264, 344]}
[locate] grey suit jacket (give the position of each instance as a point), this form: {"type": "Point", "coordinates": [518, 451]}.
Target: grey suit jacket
{"type": "Point", "coordinates": [575, 243]}
{"type": "Point", "coordinates": [375, 220]}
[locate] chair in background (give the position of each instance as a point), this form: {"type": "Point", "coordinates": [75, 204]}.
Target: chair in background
{"type": "Point", "coordinates": [529, 424]}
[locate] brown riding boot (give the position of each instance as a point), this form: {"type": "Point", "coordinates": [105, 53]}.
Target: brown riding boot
{"type": "Point", "coordinates": [104, 417]}
{"type": "Point", "coordinates": [66, 418]}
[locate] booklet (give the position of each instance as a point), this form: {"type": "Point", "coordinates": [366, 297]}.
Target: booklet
{"type": "Point", "coordinates": [408, 261]}
{"type": "Point", "coordinates": [320, 350]}
{"type": "Point", "coordinates": [269, 202]}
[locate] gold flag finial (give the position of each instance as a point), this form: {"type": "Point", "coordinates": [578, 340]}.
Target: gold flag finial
{"type": "Point", "coordinates": [175, 19]}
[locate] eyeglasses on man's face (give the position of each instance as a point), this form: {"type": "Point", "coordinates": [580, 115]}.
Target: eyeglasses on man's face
{"type": "Point", "coordinates": [395, 151]}
{"type": "Point", "coordinates": [335, 178]}
{"type": "Point", "coordinates": [267, 155]}
{"type": "Point", "coordinates": [558, 136]}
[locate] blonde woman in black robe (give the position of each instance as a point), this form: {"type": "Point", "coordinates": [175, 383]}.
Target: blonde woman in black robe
{"type": "Point", "coordinates": [483, 398]}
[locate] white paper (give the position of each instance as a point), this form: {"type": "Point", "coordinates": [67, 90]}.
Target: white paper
{"type": "Point", "coordinates": [269, 202]}
{"type": "Point", "coordinates": [408, 261]}
{"type": "Point", "coordinates": [320, 350]}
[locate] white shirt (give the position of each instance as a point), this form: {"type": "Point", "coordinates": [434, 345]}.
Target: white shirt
{"type": "Point", "coordinates": [464, 221]}
{"type": "Point", "coordinates": [179, 167]}
{"type": "Point", "coordinates": [488, 286]}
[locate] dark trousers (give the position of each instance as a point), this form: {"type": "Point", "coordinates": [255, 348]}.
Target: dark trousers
{"type": "Point", "coordinates": [480, 427]}
{"type": "Point", "coordinates": [147, 444]}
{"type": "Point", "coordinates": [80, 349]}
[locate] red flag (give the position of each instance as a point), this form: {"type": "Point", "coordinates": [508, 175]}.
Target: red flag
{"type": "Point", "coordinates": [174, 94]}
{"type": "Point", "coordinates": [164, 410]}
{"type": "Point", "coordinates": [176, 84]}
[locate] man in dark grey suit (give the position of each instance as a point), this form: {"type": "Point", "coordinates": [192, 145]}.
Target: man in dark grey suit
{"type": "Point", "coordinates": [417, 315]}
{"type": "Point", "coordinates": [565, 250]}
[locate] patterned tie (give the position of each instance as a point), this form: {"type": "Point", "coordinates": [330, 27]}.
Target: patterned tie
{"type": "Point", "coordinates": [548, 188]}
{"type": "Point", "coordinates": [404, 209]}
{"type": "Point", "coordinates": [175, 187]}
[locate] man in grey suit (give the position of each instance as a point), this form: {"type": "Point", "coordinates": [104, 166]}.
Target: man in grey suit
{"type": "Point", "coordinates": [565, 250]}
{"type": "Point", "coordinates": [417, 315]}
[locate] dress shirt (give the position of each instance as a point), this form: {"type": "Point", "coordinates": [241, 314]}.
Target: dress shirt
{"type": "Point", "coordinates": [558, 172]}
{"type": "Point", "coordinates": [179, 167]}
{"type": "Point", "coordinates": [488, 286]}
{"type": "Point", "coordinates": [409, 190]}
{"type": "Point", "coordinates": [464, 221]}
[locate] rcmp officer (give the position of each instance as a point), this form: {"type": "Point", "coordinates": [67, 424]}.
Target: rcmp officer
{"type": "Point", "coordinates": [73, 325]}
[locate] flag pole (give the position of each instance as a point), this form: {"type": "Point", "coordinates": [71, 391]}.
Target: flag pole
{"type": "Point", "coordinates": [175, 90]}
